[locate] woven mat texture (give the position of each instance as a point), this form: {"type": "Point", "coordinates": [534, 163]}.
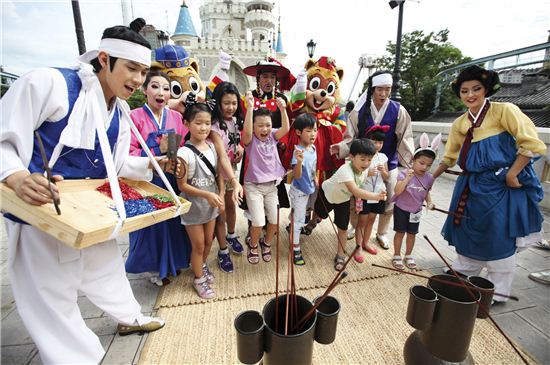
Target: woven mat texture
{"type": "Point", "coordinates": [247, 280]}
{"type": "Point", "coordinates": [371, 328]}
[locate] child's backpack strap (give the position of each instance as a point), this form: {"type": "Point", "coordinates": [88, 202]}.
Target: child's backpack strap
{"type": "Point", "coordinates": [202, 157]}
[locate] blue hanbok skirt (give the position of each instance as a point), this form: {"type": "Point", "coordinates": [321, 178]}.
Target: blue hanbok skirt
{"type": "Point", "coordinates": [495, 215]}
{"type": "Point", "coordinates": [163, 247]}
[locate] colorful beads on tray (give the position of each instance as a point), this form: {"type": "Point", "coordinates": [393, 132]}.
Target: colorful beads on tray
{"type": "Point", "coordinates": [134, 203]}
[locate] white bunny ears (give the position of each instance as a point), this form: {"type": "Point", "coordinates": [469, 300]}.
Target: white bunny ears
{"type": "Point", "coordinates": [424, 144]}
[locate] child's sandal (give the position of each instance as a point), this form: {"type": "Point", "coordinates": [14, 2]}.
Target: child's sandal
{"type": "Point", "coordinates": [309, 227]}
{"type": "Point", "coordinates": [409, 262]}
{"type": "Point", "coordinates": [397, 262]}
{"type": "Point", "coordinates": [339, 262]}
{"type": "Point", "coordinates": [266, 251]}
{"type": "Point", "coordinates": [252, 257]}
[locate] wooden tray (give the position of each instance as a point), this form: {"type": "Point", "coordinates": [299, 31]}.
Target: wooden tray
{"type": "Point", "coordinates": [87, 216]}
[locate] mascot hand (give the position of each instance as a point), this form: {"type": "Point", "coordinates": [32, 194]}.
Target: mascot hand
{"type": "Point", "coordinates": [301, 82]}
{"type": "Point", "coordinates": [225, 60]}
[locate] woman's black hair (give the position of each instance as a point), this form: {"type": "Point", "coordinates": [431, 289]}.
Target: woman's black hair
{"type": "Point", "coordinates": [153, 73]}
{"type": "Point", "coordinates": [130, 34]}
{"type": "Point", "coordinates": [304, 121]}
{"type": "Point", "coordinates": [365, 113]}
{"type": "Point", "coordinates": [488, 78]}
{"type": "Point", "coordinates": [222, 89]}
{"type": "Point", "coordinates": [362, 146]}
{"type": "Point", "coordinates": [376, 135]}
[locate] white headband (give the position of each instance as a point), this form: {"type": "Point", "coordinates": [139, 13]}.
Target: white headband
{"type": "Point", "coordinates": [122, 49]}
{"type": "Point", "coordinates": [382, 79]}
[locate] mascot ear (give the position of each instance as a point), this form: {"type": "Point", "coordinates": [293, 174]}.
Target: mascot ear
{"type": "Point", "coordinates": [195, 65]}
{"type": "Point", "coordinates": [436, 142]}
{"type": "Point", "coordinates": [424, 141]}
{"type": "Point", "coordinates": [157, 66]}
{"type": "Point", "coordinates": [340, 72]}
{"type": "Point", "coordinates": [309, 63]}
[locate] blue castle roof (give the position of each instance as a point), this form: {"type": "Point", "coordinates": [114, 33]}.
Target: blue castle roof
{"type": "Point", "coordinates": [185, 24]}
{"type": "Point", "coordinates": [279, 45]}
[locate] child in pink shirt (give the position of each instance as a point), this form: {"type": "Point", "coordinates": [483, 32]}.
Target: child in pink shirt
{"type": "Point", "coordinates": [262, 175]}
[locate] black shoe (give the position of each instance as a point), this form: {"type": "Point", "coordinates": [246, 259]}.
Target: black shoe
{"type": "Point", "coordinates": [449, 272]}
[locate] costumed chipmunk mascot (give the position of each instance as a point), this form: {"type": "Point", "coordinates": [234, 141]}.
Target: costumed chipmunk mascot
{"type": "Point", "coordinates": [316, 92]}
{"type": "Point", "coordinates": [184, 74]}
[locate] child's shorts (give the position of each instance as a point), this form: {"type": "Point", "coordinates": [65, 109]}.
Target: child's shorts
{"type": "Point", "coordinates": [401, 221]}
{"type": "Point", "coordinates": [262, 202]}
{"type": "Point", "coordinates": [377, 208]}
{"type": "Point", "coordinates": [341, 210]}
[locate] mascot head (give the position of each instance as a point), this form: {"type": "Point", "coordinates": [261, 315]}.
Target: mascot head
{"type": "Point", "coordinates": [323, 84]}
{"type": "Point", "coordinates": [183, 72]}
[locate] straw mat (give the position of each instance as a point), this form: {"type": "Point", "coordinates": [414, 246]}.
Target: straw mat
{"type": "Point", "coordinates": [247, 280]}
{"type": "Point", "coordinates": [372, 329]}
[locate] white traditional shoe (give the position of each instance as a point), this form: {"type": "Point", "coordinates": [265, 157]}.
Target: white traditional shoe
{"type": "Point", "coordinates": [383, 241]}
{"type": "Point", "coordinates": [541, 277]}
{"type": "Point", "coordinates": [543, 244]}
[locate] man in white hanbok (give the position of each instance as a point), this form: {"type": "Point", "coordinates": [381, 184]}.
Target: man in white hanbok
{"type": "Point", "coordinates": [67, 107]}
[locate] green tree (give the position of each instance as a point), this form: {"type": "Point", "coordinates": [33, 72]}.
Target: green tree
{"type": "Point", "coordinates": [423, 56]}
{"type": "Point", "coordinates": [137, 99]}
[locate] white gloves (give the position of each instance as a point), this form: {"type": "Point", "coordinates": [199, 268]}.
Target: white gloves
{"type": "Point", "coordinates": [225, 60]}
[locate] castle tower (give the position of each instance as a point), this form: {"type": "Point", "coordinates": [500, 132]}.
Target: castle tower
{"type": "Point", "coordinates": [225, 24]}
{"type": "Point", "coordinates": [259, 19]}
{"type": "Point", "coordinates": [185, 33]}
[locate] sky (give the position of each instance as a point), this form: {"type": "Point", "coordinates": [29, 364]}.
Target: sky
{"type": "Point", "coordinates": [41, 33]}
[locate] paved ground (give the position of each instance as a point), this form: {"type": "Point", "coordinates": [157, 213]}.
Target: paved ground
{"type": "Point", "coordinates": [526, 321]}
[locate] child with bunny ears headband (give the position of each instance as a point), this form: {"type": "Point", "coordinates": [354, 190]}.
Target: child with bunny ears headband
{"type": "Point", "coordinates": [412, 189]}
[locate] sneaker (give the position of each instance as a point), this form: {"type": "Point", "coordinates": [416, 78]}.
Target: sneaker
{"type": "Point", "coordinates": [203, 288]}
{"type": "Point", "coordinates": [224, 262]}
{"type": "Point", "coordinates": [351, 233]}
{"type": "Point", "coordinates": [207, 274]}
{"type": "Point", "coordinates": [383, 241]}
{"type": "Point", "coordinates": [154, 324]}
{"type": "Point", "coordinates": [235, 245]}
{"type": "Point", "coordinates": [298, 258]}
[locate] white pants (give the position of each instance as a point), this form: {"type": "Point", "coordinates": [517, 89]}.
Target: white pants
{"type": "Point", "coordinates": [262, 201]}
{"type": "Point", "coordinates": [500, 272]}
{"type": "Point", "coordinates": [300, 202]}
{"type": "Point", "coordinates": [45, 278]}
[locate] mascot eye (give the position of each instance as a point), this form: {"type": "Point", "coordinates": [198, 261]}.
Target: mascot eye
{"type": "Point", "coordinates": [314, 83]}
{"type": "Point", "coordinates": [331, 88]}
{"type": "Point", "coordinates": [175, 89]}
{"type": "Point", "coordinates": [194, 84]}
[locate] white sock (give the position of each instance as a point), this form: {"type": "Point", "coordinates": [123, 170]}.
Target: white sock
{"type": "Point", "coordinates": [225, 251]}
{"type": "Point", "coordinates": [231, 235]}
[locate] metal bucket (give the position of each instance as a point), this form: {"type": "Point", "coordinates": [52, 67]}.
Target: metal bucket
{"type": "Point", "coordinates": [250, 337]}
{"type": "Point", "coordinates": [288, 349]}
{"type": "Point", "coordinates": [486, 296]}
{"type": "Point", "coordinates": [420, 311]}
{"type": "Point", "coordinates": [327, 320]}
